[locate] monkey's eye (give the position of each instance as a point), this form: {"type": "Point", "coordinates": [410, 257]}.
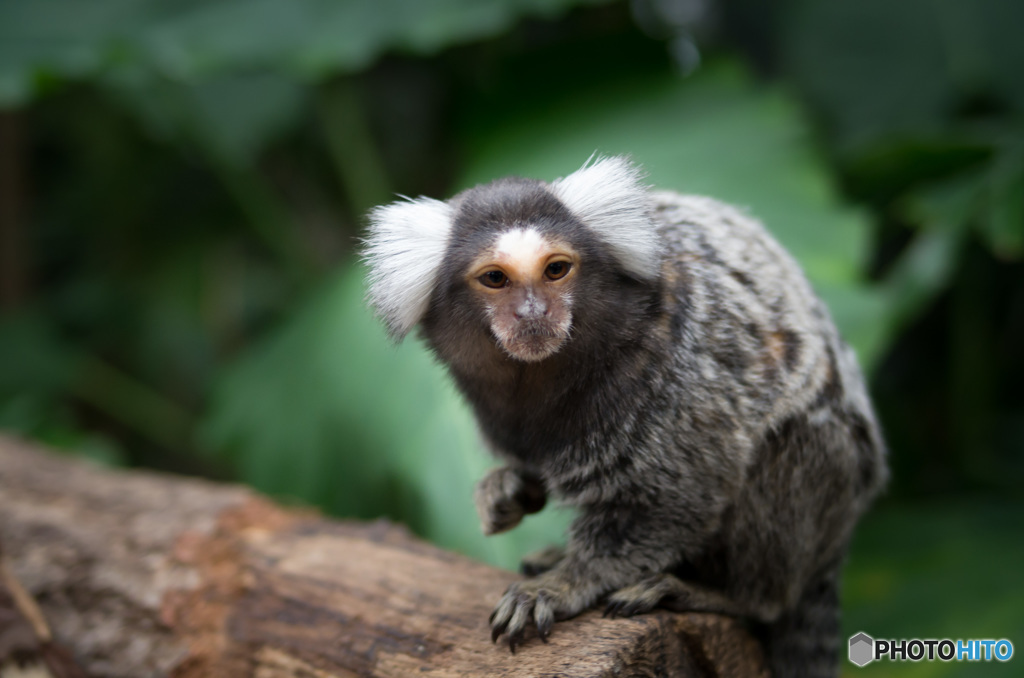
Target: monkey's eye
{"type": "Point", "coordinates": [557, 269]}
{"type": "Point", "coordinates": [493, 279]}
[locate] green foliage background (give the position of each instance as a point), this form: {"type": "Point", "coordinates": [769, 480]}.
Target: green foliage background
{"type": "Point", "coordinates": [183, 186]}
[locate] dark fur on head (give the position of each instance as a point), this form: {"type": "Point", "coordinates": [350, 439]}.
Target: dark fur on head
{"type": "Point", "coordinates": [611, 312]}
{"type": "Point", "coordinates": [689, 394]}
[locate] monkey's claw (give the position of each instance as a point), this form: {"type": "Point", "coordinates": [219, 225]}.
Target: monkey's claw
{"type": "Point", "coordinates": [523, 605]}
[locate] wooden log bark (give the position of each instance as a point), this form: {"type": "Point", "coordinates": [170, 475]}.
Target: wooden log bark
{"type": "Point", "coordinates": [27, 649]}
{"type": "Point", "coordinates": [144, 574]}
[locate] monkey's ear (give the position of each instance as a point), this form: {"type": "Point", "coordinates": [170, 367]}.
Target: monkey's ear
{"type": "Point", "coordinates": [607, 195]}
{"type": "Point", "coordinates": [403, 251]}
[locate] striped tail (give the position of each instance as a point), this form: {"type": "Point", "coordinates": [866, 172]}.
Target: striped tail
{"type": "Point", "coordinates": [804, 643]}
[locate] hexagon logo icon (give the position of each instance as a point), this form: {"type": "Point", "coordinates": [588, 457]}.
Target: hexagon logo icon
{"type": "Point", "coordinates": [862, 649]}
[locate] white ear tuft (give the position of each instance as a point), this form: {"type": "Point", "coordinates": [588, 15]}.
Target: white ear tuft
{"type": "Point", "coordinates": [607, 195]}
{"type": "Point", "coordinates": [404, 250]}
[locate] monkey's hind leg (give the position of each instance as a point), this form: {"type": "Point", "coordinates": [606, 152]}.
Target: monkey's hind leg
{"type": "Point", "coordinates": [541, 561]}
{"type": "Point", "coordinates": [670, 592]}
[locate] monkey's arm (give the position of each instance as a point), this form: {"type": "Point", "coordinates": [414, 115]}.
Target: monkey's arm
{"type": "Point", "coordinates": [504, 496]}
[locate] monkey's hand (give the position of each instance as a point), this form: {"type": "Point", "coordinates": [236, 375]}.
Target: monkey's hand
{"type": "Point", "coordinates": [539, 601]}
{"type": "Point", "coordinates": [504, 496]}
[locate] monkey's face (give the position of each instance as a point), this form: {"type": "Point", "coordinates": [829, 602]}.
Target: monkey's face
{"type": "Point", "coordinates": [524, 283]}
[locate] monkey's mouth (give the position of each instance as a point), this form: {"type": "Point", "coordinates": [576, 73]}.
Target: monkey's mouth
{"type": "Point", "coordinates": [532, 341]}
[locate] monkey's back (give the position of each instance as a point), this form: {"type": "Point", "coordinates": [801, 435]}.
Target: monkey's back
{"type": "Point", "coordinates": [753, 340]}
{"type": "Point", "coordinates": [748, 313]}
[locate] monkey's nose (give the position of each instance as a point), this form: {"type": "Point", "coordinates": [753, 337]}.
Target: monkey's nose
{"type": "Point", "coordinates": [531, 308]}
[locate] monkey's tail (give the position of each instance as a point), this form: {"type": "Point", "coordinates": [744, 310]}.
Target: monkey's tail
{"type": "Point", "coordinates": [804, 643]}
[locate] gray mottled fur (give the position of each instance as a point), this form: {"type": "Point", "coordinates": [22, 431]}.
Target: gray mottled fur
{"type": "Point", "coordinates": [708, 422]}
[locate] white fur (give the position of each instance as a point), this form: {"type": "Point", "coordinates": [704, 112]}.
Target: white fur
{"type": "Point", "coordinates": [520, 246]}
{"type": "Point", "coordinates": [404, 250]}
{"type": "Point", "coordinates": [607, 196]}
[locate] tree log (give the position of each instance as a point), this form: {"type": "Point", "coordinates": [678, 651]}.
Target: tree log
{"type": "Point", "coordinates": [144, 574]}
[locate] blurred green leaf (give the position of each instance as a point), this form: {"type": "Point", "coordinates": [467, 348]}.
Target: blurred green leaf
{"type": "Point", "coordinates": [132, 402]}
{"type": "Point", "coordinates": [948, 205]}
{"type": "Point", "coordinates": [45, 364]}
{"type": "Point", "coordinates": [58, 39]}
{"type": "Point", "coordinates": [326, 409]}
{"type": "Point", "coordinates": [878, 68]}
{"type": "Point", "coordinates": [936, 571]}
{"type": "Point", "coordinates": [45, 419]}
{"type": "Point", "coordinates": [39, 370]}
{"type": "Point", "coordinates": [944, 210]}
{"type": "Point", "coordinates": [314, 38]}
{"type": "Point", "coordinates": [921, 272]}
{"type": "Point", "coordinates": [232, 116]}
{"type": "Point", "coordinates": [193, 41]}
{"type": "Point", "coordinates": [229, 120]}
{"type": "Point", "coordinates": [1003, 222]}
{"type": "Point", "coordinates": [883, 170]}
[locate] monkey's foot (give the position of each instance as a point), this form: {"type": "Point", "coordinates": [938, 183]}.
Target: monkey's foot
{"type": "Point", "coordinates": [641, 597]}
{"type": "Point", "coordinates": [539, 602]}
{"type": "Point", "coordinates": [503, 497]}
{"type": "Point", "coordinates": [669, 592]}
{"type": "Point", "coordinates": [541, 561]}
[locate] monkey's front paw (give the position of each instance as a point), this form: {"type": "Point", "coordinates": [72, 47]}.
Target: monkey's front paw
{"type": "Point", "coordinates": [499, 516]}
{"type": "Point", "coordinates": [503, 497]}
{"type": "Point", "coordinates": [538, 602]}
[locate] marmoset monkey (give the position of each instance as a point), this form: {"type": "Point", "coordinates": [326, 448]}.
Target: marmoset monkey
{"type": "Point", "coordinates": [660, 363]}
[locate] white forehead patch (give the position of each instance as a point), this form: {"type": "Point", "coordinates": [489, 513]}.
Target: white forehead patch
{"type": "Point", "coordinates": [520, 247]}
